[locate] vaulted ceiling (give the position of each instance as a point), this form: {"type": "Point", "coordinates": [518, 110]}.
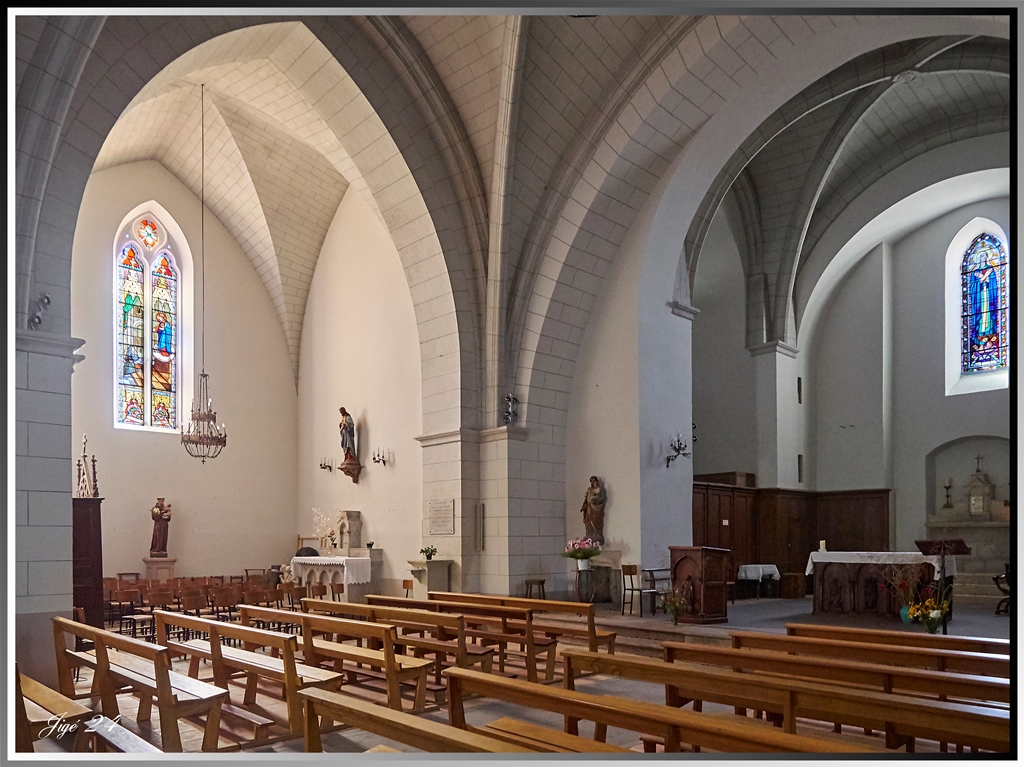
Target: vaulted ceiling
{"type": "Point", "coordinates": [523, 106]}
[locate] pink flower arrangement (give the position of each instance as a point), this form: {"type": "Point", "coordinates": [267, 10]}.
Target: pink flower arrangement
{"type": "Point", "coordinates": [581, 548]}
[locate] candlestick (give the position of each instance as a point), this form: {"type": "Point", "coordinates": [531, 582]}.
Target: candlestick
{"type": "Point", "coordinates": [948, 504]}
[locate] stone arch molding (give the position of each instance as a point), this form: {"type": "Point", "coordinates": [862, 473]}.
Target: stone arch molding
{"type": "Point", "coordinates": [310, 108]}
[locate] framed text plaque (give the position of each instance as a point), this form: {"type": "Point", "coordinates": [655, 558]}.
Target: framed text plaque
{"type": "Point", "coordinates": [441, 517]}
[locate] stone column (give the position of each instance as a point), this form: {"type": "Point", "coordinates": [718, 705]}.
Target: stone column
{"type": "Point", "coordinates": [43, 483]}
{"type": "Point", "coordinates": [779, 432]}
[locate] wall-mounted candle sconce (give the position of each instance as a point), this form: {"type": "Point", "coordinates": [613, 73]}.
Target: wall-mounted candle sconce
{"type": "Point", "coordinates": [679, 448]}
{"type": "Point", "coordinates": [380, 456]}
{"type": "Point", "coordinates": [510, 415]}
{"type": "Point", "coordinates": [327, 463]}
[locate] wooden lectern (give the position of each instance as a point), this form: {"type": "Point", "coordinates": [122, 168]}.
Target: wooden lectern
{"type": "Point", "coordinates": [952, 547]}
{"type": "Point", "coordinates": [701, 573]}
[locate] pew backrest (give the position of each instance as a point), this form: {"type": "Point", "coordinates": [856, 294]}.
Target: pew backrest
{"type": "Point", "coordinates": [901, 638]}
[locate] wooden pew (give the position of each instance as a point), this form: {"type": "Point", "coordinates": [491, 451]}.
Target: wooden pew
{"type": "Point", "coordinates": [144, 667]}
{"type": "Point", "coordinates": [393, 667]}
{"type": "Point", "coordinates": [224, 658]}
{"type": "Point", "coordinates": [425, 631]}
{"type": "Point", "coordinates": [901, 717]}
{"type": "Point", "coordinates": [424, 734]}
{"type": "Point", "coordinates": [937, 684]}
{"type": "Point", "coordinates": [675, 725]}
{"type": "Point", "coordinates": [984, 664]}
{"type": "Point", "coordinates": [595, 637]}
{"type": "Point", "coordinates": [901, 638]}
{"type": "Point", "coordinates": [491, 624]}
{"type": "Point", "coordinates": [36, 705]}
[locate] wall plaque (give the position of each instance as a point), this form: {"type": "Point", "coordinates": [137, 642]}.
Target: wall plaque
{"type": "Point", "coordinates": [441, 517]}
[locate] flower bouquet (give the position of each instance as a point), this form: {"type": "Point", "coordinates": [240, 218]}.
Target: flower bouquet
{"type": "Point", "coordinates": [904, 581]}
{"type": "Point", "coordinates": [929, 612]}
{"type": "Point", "coordinates": [428, 551]}
{"type": "Point", "coordinates": [582, 550]}
{"type": "Point", "coordinates": [674, 604]}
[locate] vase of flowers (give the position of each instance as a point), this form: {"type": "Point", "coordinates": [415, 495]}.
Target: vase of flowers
{"type": "Point", "coordinates": [582, 550]}
{"type": "Point", "coordinates": [903, 582]}
{"type": "Point", "coordinates": [428, 552]}
{"type": "Point", "coordinates": [930, 610]}
{"type": "Point", "coordinates": [674, 604]}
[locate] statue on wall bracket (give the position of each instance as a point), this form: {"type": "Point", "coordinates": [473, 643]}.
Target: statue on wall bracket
{"type": "Point", "coordinates": [350, 466]}
{"type": "Point", "coordinates": [161, 514]}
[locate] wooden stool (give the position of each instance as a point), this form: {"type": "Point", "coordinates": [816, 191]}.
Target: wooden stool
{"type": "Point", "coordinates": [407, 585]}
{"type": "Point", "coordinates": [539, 583]}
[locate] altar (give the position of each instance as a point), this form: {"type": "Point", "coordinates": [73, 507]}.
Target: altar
{"type": "Point", "coordinates": [854, 581]}
{"type": "Point", "coordinates": [360, 575]}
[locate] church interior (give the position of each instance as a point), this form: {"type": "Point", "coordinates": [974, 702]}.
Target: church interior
{"type": "Point", "coordinates": [707, 312]}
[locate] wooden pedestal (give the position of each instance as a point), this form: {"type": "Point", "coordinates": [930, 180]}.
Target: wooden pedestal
{"type": "Point", "coordinates": [701, 573]}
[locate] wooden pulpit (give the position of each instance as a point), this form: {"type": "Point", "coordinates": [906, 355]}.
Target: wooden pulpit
{"type": "Point", "coordinates": [701, 574]}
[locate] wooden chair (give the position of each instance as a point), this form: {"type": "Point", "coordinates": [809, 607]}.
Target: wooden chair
{"type": "Point", "coordinates": [128, 577]}
{"type": "Point", "coordinates": [635, 587]}
{"type": "Point", "coordinates": [535, 583]}
{"type": "Point", "coordinates": [317, 590]}
{"type": "Point", "coordinates": [130, 599]}
{"type": "Point", "coordinates": [1004, 583]}
{"type": "Point", "coordinates": [408, 586]}
{"type": "Point", "coordinates": [337, 589]}
{"type": "Point", "coordinates": [296, 595]}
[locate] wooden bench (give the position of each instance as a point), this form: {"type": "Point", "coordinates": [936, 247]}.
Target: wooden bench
{"type": "Point", "coordinates": [144, 667]}
{"type": "Point", "coordinates": [984, 664]}
{"type": "Point", "coordinates": [425, 631]}
{"type": "Point", "coordinates": [901, 717]}
{"type": "Point", "coordinates": [381, 638]}
{"type": "Point", "coordinates": [674, 725]}
{"type": "Point", "coordinates": [36, 705]}
{"type": "Point", "coordinates": [941, 685]}
{"type": "Point", "coordinates": [491, 624]}
{"type": "Point", "coordinates": [224, 658]}
{"type": "Point", "coordinates": [595, 637]}
{"type": "Point", "coordinates": [424, 734]}
{"type": "Point", "coordinates": [901, 638]}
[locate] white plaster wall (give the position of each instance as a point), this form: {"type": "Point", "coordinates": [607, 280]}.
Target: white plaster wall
{"type": "Point", "coordinates": [602, 429]}
{"type": "Point", "coordinates": [924, 417]}
{"type": "Point", "coordinates": [724, 382]}
{"type": "Point", "coordinates": [238, 510]}
{"type": "Point", "coordinates": [847, 364]}
{"type": "Point", "coordinates": [360, 350]}
{"type": "Point", "coordinates": [849, 383]}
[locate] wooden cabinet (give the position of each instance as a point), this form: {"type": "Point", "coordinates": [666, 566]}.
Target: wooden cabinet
{"type": "Point", "coordinates": [724, 516]}
{"type": "Point", "coordinates": [87, 559]}
{"type": "Point", "coordinates": [700, 573]}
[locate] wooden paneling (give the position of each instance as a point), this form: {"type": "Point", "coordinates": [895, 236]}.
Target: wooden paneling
{"type": "Point", "coordinates": [782, 527]}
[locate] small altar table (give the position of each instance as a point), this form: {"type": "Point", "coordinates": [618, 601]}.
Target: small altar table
{"type": "Point", "coordinates": [854, 582]}
{"type": "Point", "coordinates": [346, 570]}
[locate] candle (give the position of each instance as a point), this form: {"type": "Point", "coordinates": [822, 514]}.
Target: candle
{"type": "Point", "coordinates": [821, 545]}
{"type": "Point", "coordinates": [949, 482]}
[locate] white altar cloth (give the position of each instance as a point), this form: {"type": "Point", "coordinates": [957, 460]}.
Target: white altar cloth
{"type": "Point", "coordinates": [881, 558]}
{"type": "Point", "coordinates": [352, 569]}
{"type": "Point", "coordinates": [756, 572]}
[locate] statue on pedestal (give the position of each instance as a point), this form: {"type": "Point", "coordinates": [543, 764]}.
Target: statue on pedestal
{"type": "Point", "coordinates": [593, 511]}
{"type": "Point", "coordinates": [161, 514]}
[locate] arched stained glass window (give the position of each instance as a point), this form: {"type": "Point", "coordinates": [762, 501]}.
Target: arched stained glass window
{"type": "Point", "coordinates": [147, 323]}
{"type": "Point", "coordinates": [984, 327]}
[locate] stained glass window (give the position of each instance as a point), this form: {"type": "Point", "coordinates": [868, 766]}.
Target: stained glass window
{"type": "Point", "coordinates": [984, 342]}
{"type": "Point", "coordinates": [147, 297]}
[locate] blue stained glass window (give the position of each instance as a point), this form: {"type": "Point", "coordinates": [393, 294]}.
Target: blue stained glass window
{"type": "Point", "coordinates": [984, 332]}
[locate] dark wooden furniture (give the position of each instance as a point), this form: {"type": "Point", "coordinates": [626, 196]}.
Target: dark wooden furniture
{"type": "Point", "coordinates": [1004, 583]}
{"type": "Point", "coordinates": [793, 586]}
{"type": "Point", "coordinates": [701, 574]}
{"type": "Point", "coordinates": [87, 558]}
{"type": "Point", "coordinates": [782, 526]}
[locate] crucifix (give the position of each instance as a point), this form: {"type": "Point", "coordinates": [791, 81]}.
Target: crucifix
{"type": "Point", "coordinates": [978, 459]}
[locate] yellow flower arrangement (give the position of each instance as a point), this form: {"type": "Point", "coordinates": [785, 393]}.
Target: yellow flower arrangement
{"type": "Point", "coordinates": [929, 612]}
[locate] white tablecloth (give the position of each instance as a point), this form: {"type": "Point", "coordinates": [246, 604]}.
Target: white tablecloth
{"type": "Point", "coordinates": [352, 569]}
{"type": "Point", "coordinates": [756, 572]}
{"type": "Point", "coordinates": [881, 558]}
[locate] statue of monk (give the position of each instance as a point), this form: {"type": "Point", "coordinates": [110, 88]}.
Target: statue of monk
{"type": "Point", "coordinates": [161, 514]}
{"type": "Point", "coordinates": [593, 511]}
